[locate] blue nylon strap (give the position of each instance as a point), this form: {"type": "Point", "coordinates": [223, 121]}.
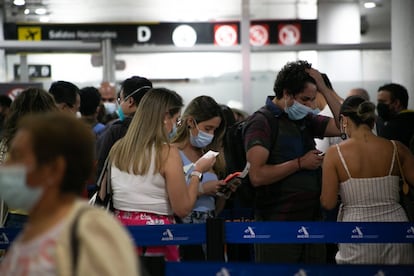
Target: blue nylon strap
{"type": "Point", "coordinates": [264, 232]}
{"type": "Point", "coordinates": [242, 269]}
{"type": "Point", "coordinates": [168, 234]}
{"type": "Point", "coordinates": [320, 232]}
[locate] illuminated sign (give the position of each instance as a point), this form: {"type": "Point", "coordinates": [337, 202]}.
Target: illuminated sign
{"type": "Point", "coordinates": [187, 34]}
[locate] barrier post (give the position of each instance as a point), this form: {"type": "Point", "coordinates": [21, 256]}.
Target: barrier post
{"type": "Point", "coordinates": [215, 239]}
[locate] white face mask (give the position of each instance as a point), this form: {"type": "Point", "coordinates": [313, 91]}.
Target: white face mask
{"type": "Point", "coordinates": [110, 107]}
{"type": "Point", "coordinates": [14, 190]}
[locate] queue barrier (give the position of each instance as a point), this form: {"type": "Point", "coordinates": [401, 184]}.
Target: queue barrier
{"type": "Point", "coordinates": [215, 233]}
{"type": "Point", "coordinates": [244, 269]}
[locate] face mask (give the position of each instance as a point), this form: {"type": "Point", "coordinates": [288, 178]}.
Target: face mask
{"type": "Point", "coordinates": [298, 111]}
{"type": "Point", "coordinates": [110, 108]}
{"type": "Point", "coordinates": [202, 140]}
{"type": "Point", "coordinates": [384, 111]}
{"type": "Point", "coordinates": [15, 192]}
{"type": "Point", "coordinates": [120, 113]}
{"type": "Point", "coordinates": [173, 132]}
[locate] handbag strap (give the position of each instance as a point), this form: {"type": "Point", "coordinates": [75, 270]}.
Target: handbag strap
{"type": "Point", "coordinates": [108, 178]}
{"type": "Point", "coordinates": [105, 188]}
{"type": "Point", "coordinates": [74, 240]}
{"type": "Point", "coordinates": [405, 187]}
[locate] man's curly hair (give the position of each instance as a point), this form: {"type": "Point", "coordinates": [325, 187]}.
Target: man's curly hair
{"type": "Point", "coordinates": [293, 78]}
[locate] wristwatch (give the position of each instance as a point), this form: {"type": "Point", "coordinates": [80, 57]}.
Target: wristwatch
{"type": "Point", "coordinates": [198, 174]}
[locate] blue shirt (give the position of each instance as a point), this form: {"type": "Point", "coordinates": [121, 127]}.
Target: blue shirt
{"type": "Point", "coordinates": [204, 203]}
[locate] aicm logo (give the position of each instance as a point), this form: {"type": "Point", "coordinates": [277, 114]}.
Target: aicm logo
{"type": "Point", "coordinates": [249, 233]}
{"type": "Point", "coordinates": [168, 235]}
{"type": "Point", "coordinates": [303, 233]}
{"type": "Point", "coordinates": [358, 234]}
{"type": "Point", "coordinates": [410, 233]}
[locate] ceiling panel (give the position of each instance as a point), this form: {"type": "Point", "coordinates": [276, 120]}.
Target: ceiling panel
{"type": "Point", "coordinates": [98, 11]}
{"type": "Point", "coordinates": [124, 11]}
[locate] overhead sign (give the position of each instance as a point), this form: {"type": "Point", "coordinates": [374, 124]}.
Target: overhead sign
{"type": "Point", "coordinates": [262, 32]}
{"type": "Point", "coordinates": [34, 71]}
{"type": "Point", "coordinates": [259, 34]}
{"type": "Point", "coordinates": [29, 33]}
{"type": "Point", "coordinates": [12, 89]}
{"type": "Point", "coordinates": [289, 34]}
{"type": "Point", "coordinates": [225, 34]}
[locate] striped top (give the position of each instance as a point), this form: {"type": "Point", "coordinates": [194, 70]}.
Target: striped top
{"type": "Point", "coordinates": [372, 200]}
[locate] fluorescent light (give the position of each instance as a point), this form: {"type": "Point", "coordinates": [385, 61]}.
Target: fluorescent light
{"type": "Point", "coordinates": [44, 19]}
{"type": "Point", "coordinates": [370, 5]}
{"type": "Point", "coordinates": [19, 2]}
{"type": "Point", "coordinates": [26, 11]}
{"type": "Point", "coordinates": [40, 11]}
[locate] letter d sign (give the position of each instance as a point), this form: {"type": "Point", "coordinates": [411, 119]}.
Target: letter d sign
{"type": "Point", "coordinates": [143, 34]}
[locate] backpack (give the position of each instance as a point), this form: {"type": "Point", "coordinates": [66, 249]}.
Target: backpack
{"type": "Point", "coordinates": [235, 156]}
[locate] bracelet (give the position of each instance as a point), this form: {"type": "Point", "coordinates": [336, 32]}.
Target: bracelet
{"type": "Point", "coordinates": [299, 166]}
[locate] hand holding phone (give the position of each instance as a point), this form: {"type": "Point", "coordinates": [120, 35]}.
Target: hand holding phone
{"type": "Point", "coordinates": [233, 181]}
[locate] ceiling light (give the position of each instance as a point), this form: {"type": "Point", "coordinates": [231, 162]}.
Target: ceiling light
{"type": "Point", "coordinates": [26, 11]}
{"type": "Point", "coordinates": [19, 2]}
{"type": "Point", "coordinates": [370, 5]}
{"type": "Point", "coordinates": [44, 19]}
{"type": "Point", "coordinates": [40, 11]}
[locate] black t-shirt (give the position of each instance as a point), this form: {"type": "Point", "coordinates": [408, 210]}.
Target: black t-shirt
{"type": "Point", "coordinates": [400, 128]}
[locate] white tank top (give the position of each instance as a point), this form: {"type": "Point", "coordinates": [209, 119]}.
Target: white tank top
{"type": "Point", "coordinates": [140, 193]}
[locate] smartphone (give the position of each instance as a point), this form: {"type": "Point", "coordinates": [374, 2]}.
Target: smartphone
{"type": "Point", "coordinates": [230, 180]}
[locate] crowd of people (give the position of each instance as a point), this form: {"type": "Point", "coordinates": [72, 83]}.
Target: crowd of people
{"type": "Point", "coordinates": [163, 170]}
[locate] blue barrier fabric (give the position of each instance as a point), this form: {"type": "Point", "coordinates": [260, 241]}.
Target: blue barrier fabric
{"type": "Point", "coordinates": [168, 234]}
{"type": "Point", "coordinates": [319, 232]}
{"type": "Point", "coordinates": [264, 232]}
{"type": "Point", "coordinates": [7, 235]}
{"type": "Point", "coordinates": [242, 269]}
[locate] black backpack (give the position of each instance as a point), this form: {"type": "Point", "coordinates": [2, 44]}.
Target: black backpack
{"type": "Point", "coordinates": [235, 156]}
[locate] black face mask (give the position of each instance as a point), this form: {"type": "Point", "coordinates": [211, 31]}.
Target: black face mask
{"type": "Point", "coordinates": [384, 111]}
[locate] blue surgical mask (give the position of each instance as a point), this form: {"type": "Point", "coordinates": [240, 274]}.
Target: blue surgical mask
{"type": "Point", "coordinates": [298, 111]}
{"type": "Point", "coordinates": [14, 190]}
{"type": "Point", "coordinates": [202, 140]}
{"type": "Point", "coordinates": [120, 113]}
{"type": "Point", "coordinates": [173, 132]}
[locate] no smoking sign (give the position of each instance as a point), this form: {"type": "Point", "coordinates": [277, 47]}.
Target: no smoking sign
{"type": "Point", "coordinates": [259, 35]}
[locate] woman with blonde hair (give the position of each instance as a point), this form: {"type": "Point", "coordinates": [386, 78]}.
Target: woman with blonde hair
{"type": "Point", "coordinates": [147, 176]}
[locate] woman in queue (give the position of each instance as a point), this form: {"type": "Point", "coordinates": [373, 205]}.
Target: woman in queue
{"type": "Point", "coordinates": [49, 159]}
{"type": "Point", "coordinates": [364, 170]}
{"type": "Point", "coordinates": [147, 176]}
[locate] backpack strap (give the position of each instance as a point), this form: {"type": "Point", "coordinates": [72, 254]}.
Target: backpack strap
{"type": "Point", "coordinates": [272, 120]}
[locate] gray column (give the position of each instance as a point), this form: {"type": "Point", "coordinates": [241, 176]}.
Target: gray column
{"type": "Point", "coordinates": [2, 53]}
{"type": "Point", "coordinates": [245, 44]}
{"type": "Point", "coordinates": [402, 45]}
{"type": "Point", "coordinates": [108, 61]}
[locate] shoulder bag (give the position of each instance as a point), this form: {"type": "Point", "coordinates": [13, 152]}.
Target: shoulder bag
{"type": "Point", "coordinates": [406, 194]}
